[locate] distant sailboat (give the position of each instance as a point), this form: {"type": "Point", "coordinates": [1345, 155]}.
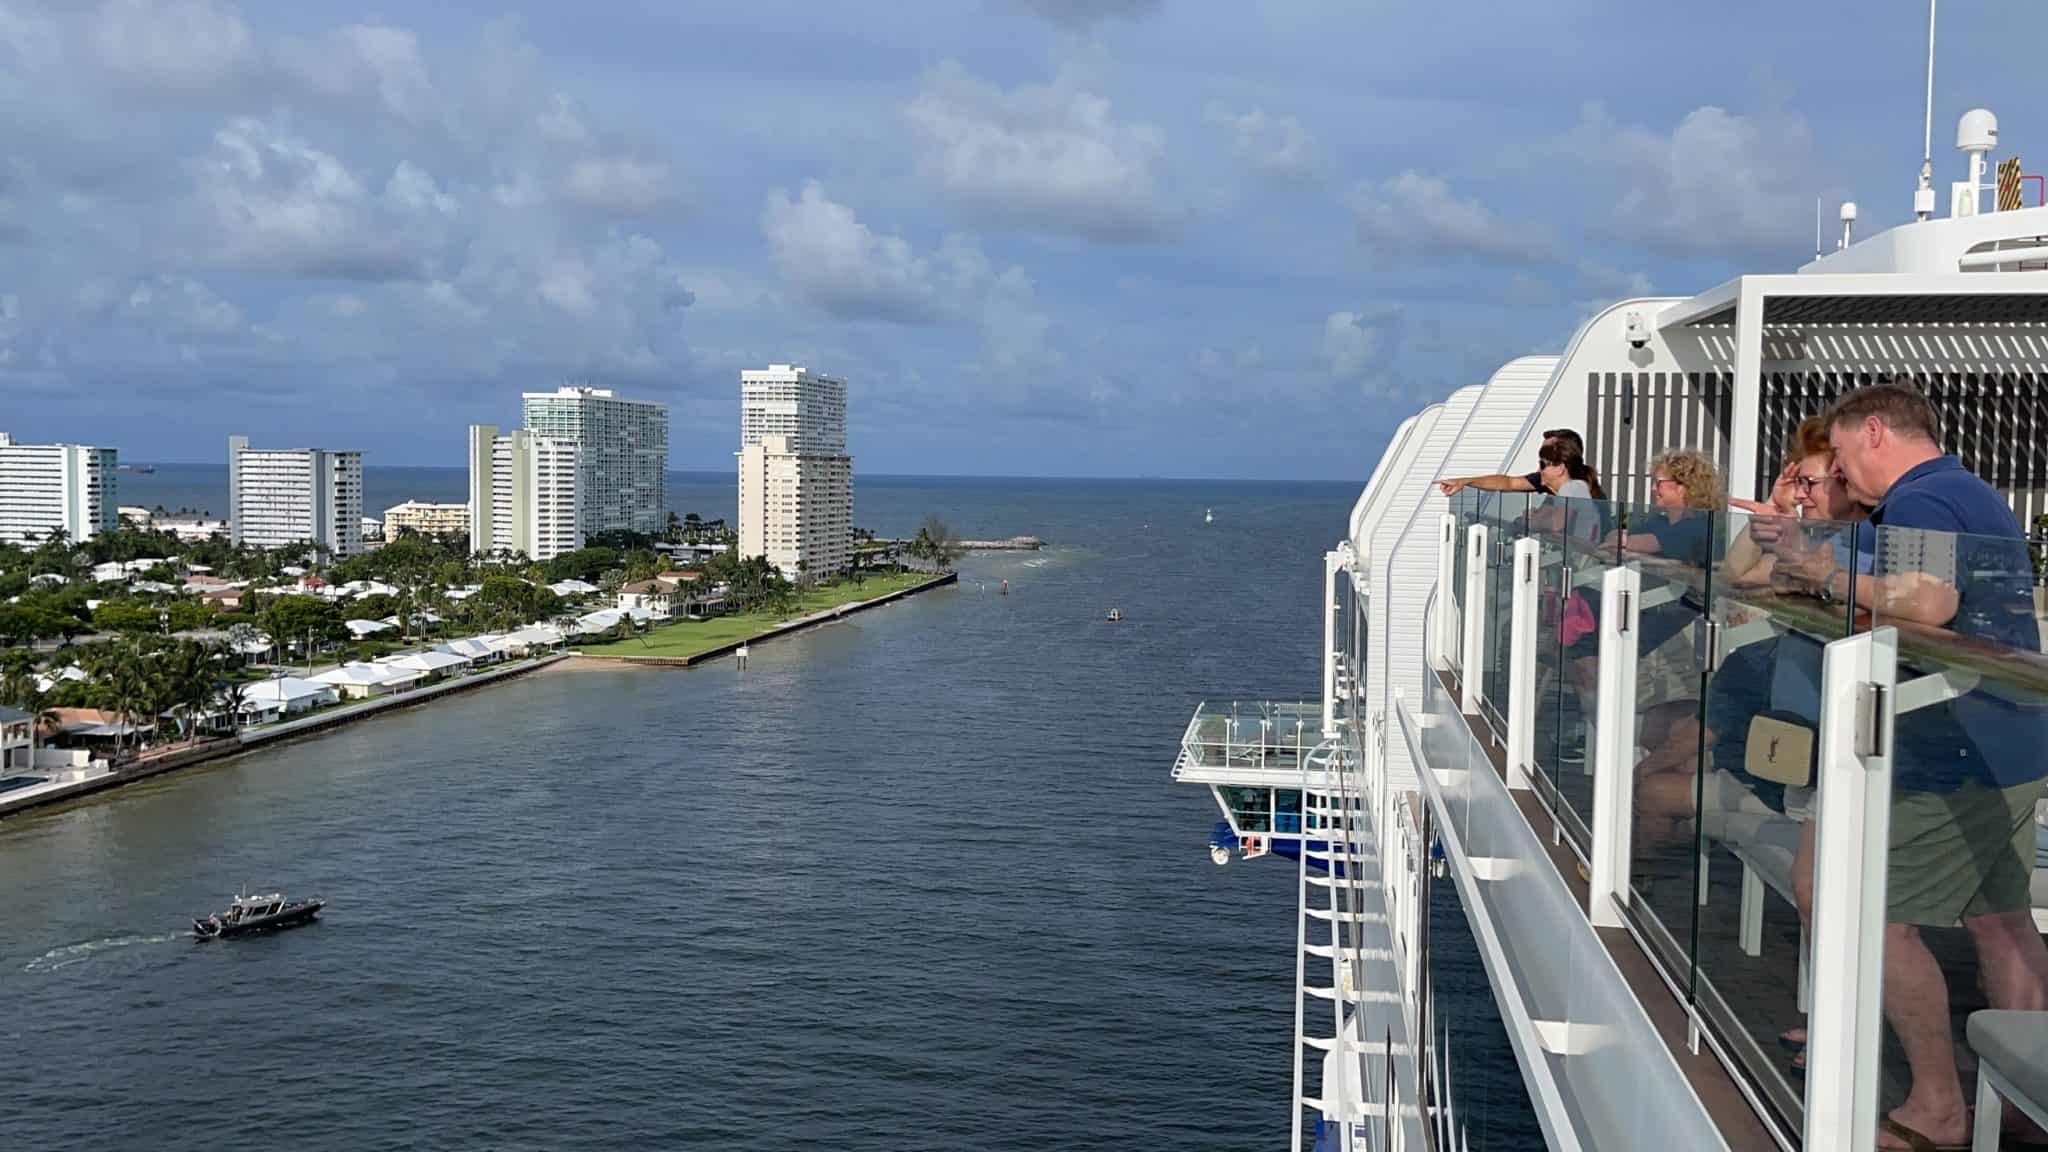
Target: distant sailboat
{"type": "Point", "coordinates": [1208, 516]}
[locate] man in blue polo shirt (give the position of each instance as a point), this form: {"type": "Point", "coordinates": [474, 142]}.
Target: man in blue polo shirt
{"type": "Point", "coordinates": [1967, 772]}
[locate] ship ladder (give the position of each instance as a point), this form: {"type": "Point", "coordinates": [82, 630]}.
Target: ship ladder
{"type": "Point", "coordinates": [1334, 942]}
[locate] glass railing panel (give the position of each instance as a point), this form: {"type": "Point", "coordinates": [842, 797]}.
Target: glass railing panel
{"type": "Point", "coordinates": [1757, 788]}
{"type": "Point", "coordinates": [1447, 751]}
{"type": "Point", "coordinates": [1591, 547]}
{"type": "Point", "coordinates": [1464, 506]}
{"type": "Point", "coordinates": [1969, 756]}
{"type": "Point", "coordinates": [1549, 679]}
{"type": "Point", "coordinates": [1510, 523]}
{"type": "Point", "coordinates": [1673, 550]}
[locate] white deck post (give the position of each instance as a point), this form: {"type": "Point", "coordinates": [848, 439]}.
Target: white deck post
{"type": "Point", "coordinates": [1614, 746]}
{"type": "Point", "coordinates": [1852, 833]}
{"type": "Point", "coordinates": [1333, 565]}
{"type": "Point", "coordinates": [1746, 395]}
{"type": "Point", "coordinates": [1446, 571]}
{"type": "Point", "coordinates": [1522, 664]}
{"type": "Point", "coordinates": [1473, 658]}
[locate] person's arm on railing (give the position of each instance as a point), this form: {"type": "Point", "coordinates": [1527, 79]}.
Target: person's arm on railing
{"type": "Point", "coordinates": [1918, 597]}
{"type": "Point", "coordinates": [1499, 482]}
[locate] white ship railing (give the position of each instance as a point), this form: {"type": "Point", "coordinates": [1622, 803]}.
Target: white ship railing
{"type": "Point", "coordinates": [1620, 691]}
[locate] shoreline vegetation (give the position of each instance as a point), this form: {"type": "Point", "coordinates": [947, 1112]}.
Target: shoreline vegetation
{"type": "Point", "coordinates": [684, 643]}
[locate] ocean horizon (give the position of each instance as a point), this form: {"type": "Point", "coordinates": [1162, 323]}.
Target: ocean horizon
{"type": "Point", "coordinates": [973, 506]}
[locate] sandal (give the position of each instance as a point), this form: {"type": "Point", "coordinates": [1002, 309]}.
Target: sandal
{"type": "Point", "coordinates": [1915, 1140]}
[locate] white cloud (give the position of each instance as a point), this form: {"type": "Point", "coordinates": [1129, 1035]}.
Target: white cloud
{"type": "Point", "coordinates": [413, 189]}
{"type": "Point", "coordinates": [834, 262]}
{"type": "Point", "coordinates": [1048, 158]}
{"type": "Point", "coordinates": [1084, 14]}
{"type": "Point", "coordinates": [1419, 214]}
{"type": "Point", "coordinates": [619, 184]}
{"type": "Point", "coordinates": [1719, 181]}
{"type": "Point", "coordinates": [183, 43]}
{"type": "Point", "coordinates": [392, 56]}
{"type": "Point", "coordinates": [1348, 344]}
{"type": "Point", "coordinates": [1275, 145]}
{"type": "Point", "coordinates": [164, 239]}
{"type": "Point", "coordinates": [1614, 282]}
{"type": "Point", "coordinates": [272, 202]}
{"type": "Point", "coordinates": [183, 303]}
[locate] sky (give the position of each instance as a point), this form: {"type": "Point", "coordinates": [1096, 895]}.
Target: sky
{"type": "Point", "coordinates": [1036, 237]}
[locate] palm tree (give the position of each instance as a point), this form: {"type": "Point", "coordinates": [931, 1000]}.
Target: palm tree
{"type": "Point", "coordinates": [234, 696]}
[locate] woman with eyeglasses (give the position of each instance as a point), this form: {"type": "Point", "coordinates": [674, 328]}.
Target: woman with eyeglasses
{"type": "Point", "coordinates": [1778, 679]}
{"type": "Point", "coordinates": [1683, 486]}
{"type": "Point", "coordinates": [1810, 487]}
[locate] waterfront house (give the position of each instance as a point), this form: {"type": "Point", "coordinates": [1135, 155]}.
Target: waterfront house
{"type": "Point", "coordinates": [430, 664]}
{"type": "Point", "coordinates": [87, 726]}
{"type": "Point", "coordinates": [527, 639]}
{"type": "Point", "coordinates": [274, 699]}
{"type": "Point", "coordinates": [652, 596]}
{"type": "Point", "coordinates": [471, 650]}
{"type": "Point", "coordinates": [358, 681]}
{"type": "Point", "coordinates": [17, 741]}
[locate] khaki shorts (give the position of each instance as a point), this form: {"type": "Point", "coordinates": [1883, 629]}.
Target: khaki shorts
{"type": "Point", "coordinates": [1962, 853]}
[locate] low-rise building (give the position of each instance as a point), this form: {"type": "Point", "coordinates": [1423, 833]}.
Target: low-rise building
{"type": "Point", "coordinates": [17, 740]}
{"type": "Point", "coordinates": [358, 681]}
{"type": "Point", "coordinates": [431, 665]}
{"type": "Point", "coordinates": [426, 519]}
{"type": "Point", "coordinates": [275, 699]}
{"type": "Point", "coordinates": [193, 529]}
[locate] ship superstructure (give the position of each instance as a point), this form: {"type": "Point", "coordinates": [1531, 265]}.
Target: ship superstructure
{"type": "Point", "coordinates": [1518, 707]}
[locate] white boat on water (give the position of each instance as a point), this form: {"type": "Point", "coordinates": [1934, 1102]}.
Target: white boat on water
{"type": "Point", "coordinates": [1503, 715]}
{"type": "Point", "coordinates": [1208, 515]}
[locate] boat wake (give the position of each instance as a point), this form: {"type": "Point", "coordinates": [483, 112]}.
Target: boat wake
{"type": "Point", "coordinates": [59, 958]}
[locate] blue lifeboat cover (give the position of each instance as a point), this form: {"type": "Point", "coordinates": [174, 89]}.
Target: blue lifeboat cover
{"type": "Point", "coordinates": [1221, 836]}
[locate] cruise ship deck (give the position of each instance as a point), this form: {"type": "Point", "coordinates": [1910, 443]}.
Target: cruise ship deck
{"type": "Point", "coordinates": [1563, 730]}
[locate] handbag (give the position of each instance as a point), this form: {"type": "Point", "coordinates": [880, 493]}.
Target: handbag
{"type": "Point", "coordinates": [1780, 749]}
{"type": "Point", "coordinates": [1578, 619]}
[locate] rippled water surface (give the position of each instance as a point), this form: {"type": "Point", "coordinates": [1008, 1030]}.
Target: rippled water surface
{"type": "Point", "coordinates": [915, 880]}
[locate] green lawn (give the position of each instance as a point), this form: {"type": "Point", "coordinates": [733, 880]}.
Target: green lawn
{"type": "Point", "coordinates": [690, 637]}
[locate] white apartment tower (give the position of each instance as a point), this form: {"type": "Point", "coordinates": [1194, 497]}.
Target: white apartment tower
{"type": "Point", "coordinates": [786, 400]}
{"type": "Point", "coordinates": [622, 454]}
{"type": "Point", "coordinates": [47, 487]}
{"type": "Point", "coordinates": [796, 480]}
{"type": "Point", "coordinates": [278, 497]}
{"type": "Point", "coordinates": [525, 494]}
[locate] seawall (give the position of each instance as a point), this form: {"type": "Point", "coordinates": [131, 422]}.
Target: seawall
{"type": "Point", "coordinates": [175, 758]}
{"type": "Point", "coordinates": [798, 625]}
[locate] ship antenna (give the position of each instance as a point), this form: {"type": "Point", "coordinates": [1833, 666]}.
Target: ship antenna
{"type": "Point", "coordinates": [1923, 196]}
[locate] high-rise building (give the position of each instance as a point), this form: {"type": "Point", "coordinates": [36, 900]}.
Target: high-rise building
{"type": "Point", "coordinates": [796, 480]}
{"type": "Point", "coordinates": [48, 487]}
{"type": "Point", "coordinates": [622, 454]}
{"type": "Point", "coordinates": [287, 496]}
{"type": "Point", "coordinates": [796, 509]}
{"type": "Point", "coordinates": [525, 494]}
{"type": "Point", "coordinates": [787, 400]}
